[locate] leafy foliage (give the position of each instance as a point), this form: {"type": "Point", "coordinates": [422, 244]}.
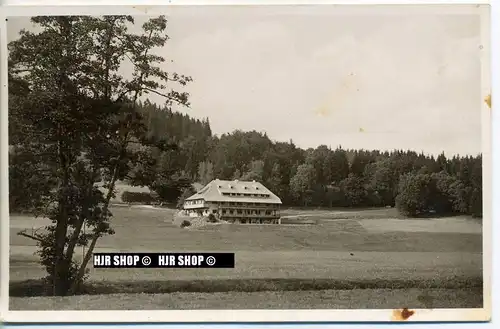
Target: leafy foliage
{"type": "Point", "coordinates": [353, 190]}
{"type": "Point", "coordinates": [415, 193]}
{"type": "Point", "coordinates": [138, 197]}
{"type": "Point", "coordinates": [73, 124]}
{"type": "Point", "coordinates": [212, 218]}
{"type": "Point", "coordinates": [186, 193]}
{"type": "Point", "coordinates": [185, 223]}
{"type": "Point", "coordinates": [301, 184]}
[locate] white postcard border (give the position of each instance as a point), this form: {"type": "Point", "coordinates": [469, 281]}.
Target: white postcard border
{"type": "Point", "coordinates": [31, 8]}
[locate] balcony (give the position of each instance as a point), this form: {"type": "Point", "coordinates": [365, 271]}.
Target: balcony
{"type": "Point", "coordinates": [251, 216]}
{"type": "Point", "coordinates": [261, 215]}
{"type": "Point", "coordinates": [194, 206]}
{"type": "Point", "coordinates": [245, 206]}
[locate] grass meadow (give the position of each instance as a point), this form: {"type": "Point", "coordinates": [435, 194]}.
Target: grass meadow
{"type": "Point", "coordinates": [344, 261]}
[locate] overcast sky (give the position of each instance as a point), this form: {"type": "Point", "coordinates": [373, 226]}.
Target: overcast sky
{"type": "Point", "coordinates": [365, 79]}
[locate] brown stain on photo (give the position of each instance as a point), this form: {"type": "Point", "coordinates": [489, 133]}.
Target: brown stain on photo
{"type": "Point", "coordinates": [323, 111]}
{"type": "Point", "coordinates": [487, 100]}
{"type": "Point", "coordinates": [402, 314]}
{"type": "Point", "coordinates": [339, 95]}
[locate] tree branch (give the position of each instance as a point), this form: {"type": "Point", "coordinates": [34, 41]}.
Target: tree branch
{"type": "Point", "coordinates": [165, 96]}
{"type": "Point", "coordinates": [97, 233]}
{"type": "Point", "coordinates": [76, 233]}
{"type": "Point", "coordinates": [33, 237]}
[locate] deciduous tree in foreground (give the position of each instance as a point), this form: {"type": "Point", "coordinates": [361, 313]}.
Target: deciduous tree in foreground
{"type": "Point", "coordinates": [73, 121]}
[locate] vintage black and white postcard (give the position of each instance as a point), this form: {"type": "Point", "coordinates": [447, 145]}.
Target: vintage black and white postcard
{"type": "Point", "coordinates": [274, 163]}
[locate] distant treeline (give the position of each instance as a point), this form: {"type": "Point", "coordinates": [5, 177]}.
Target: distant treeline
{"type": "Point", "coordinates": [418, 184]}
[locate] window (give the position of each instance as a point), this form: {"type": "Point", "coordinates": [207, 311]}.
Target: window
{"type": "Point", "coordinates": [214, 211]}
{"type": "Point", "coordinates": [224, 211]}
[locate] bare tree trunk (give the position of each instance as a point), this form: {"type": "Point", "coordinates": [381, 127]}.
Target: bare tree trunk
{"type": "Point", "coordinates": [111, 187]}
{"type": "Point", "coordinates": [97, 234]}
{"type": "Point", "coordinates": [60, 264]}
{"type": "Point", "coordinates": [83, 216]}
{"type": "Point", "coordinates": [81, 271]}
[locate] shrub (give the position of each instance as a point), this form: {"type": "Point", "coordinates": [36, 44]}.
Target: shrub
{"type": "Point", "coordinates": [212, 219]}
{"type": "Point", "coordinates": [354, 191]}
{"type": "Point", "coordinates": [415, 194]}
{"type": "Point", "coordinates": [185, 223]}
{"type": "Point", "coordinates": [170, 188]}
{"type": "Point", "coordinates": [139, 197]}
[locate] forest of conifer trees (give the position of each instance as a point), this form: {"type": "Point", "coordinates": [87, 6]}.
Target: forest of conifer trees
{"type": "Point", "coordinates": [418, 184]}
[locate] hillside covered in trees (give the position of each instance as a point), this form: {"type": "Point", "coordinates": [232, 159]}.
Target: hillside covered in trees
{"type": "Point", "coordinates": [418, 184]}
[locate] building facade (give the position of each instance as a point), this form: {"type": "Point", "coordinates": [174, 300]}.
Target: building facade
{"type": "Point", "coordinates": [235, 201]}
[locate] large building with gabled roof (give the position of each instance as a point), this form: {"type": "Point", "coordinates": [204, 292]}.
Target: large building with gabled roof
{"type": "Point", "coordinates": [235, 201]}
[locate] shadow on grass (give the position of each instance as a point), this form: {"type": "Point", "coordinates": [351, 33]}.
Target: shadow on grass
{"type": "Point", "coordinates": [30, 288]}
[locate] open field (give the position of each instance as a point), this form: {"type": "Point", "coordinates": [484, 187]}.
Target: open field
{"type": "Point", "coordinates": [321, 299]}
{"type": "Point", "coordinates": [357, 246]}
